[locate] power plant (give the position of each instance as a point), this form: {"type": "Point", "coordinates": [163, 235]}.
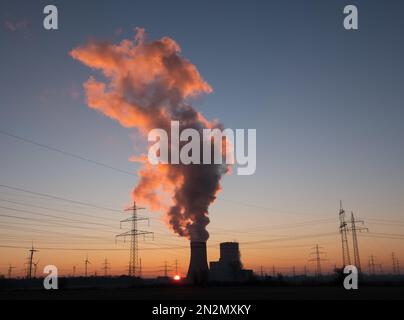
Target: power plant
{"type": "Point", "coordinates": [228, 268]}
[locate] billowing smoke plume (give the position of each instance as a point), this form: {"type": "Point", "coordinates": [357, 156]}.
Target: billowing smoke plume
{"type": "Point", "coordinates": [148, 84]}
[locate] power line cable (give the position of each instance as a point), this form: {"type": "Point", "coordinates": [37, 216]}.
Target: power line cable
{"type": "Point", "coordinates": [60, 198]}
{"type": "Point", "coordinates": [66, 153]}
{"type": "Point", "coordinates": [55, 209]}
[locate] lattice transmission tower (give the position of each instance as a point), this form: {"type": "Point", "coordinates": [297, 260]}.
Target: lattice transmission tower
{"type": "Point", "coordinates": [354, 228]}
{"type": "Point", "coordinates": [133, 233]}
{"type": "Point", "coordinates": [318, 260]}
{"type": "Point", "coordinates": [343, 229]}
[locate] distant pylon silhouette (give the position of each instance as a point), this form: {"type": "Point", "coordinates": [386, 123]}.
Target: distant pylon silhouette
{"type": "Point", "coordinates": [354, 228]}
{"type": "Point", "coordinates": [318, 260]}
{"type": "Point", "coordinates": [396, 264]}
{"type": "Point", "coordinates": [106, 267]}
{"type": "Point", "coordinates": [343, 229]}
{"type": "Point", "coordinates": [372, 265]}
{"type": "Point", "coordinates": [86, 262]}
{"type": "Point", "coordinates": [30, 261]}
{"type": "Point", "coordinates": [9, 271]}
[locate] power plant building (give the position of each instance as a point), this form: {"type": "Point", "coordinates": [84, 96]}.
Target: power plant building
{"type": "Point", "coordinates": [229, 267]}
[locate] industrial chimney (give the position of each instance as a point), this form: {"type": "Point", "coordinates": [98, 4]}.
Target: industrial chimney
{"type": "Point", "coordinates": [198, 271]}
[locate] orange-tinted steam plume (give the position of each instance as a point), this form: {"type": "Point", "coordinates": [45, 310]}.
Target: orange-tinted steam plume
{"type": "Point", "coordinates": [147, 85]}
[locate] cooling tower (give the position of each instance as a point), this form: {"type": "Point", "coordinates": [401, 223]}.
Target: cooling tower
{"type": "Point", "coordinates": [198, 271]}
{"type": "Point", "coordinates": [229, 252]}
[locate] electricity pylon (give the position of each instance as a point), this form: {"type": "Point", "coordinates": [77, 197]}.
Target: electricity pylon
{"type": "Point", "coordinates": [396, 264]}
{"type": "Point", "coordinates": [176, 266]}
{"type": "Point", "coordinates": [372, 265]}
{"type": "Point", "coordinates": [35, 267]}
{"type": "Point", "coordinates": [343, 229]}
{"type": "Point", "coordinates": [86, 262]}
{"type": "Point", "coordinates": [166, 268]}
{"type": "Point", "coordinates": [10, 270]}
{"type": "Point", "coordinates": [106, 267]}
{"type": "Point", "coordinates": [133, 234]}
{"type": "Point", "coordinates": [30, 263]}
{"type": "Point", "coordinates": [317, 259]}
{"type": "Point", "coordinates": [354, 228]}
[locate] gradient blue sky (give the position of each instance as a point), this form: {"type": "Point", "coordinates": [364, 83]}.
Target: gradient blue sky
{"type": "Point", "coordinates": [327, 103]}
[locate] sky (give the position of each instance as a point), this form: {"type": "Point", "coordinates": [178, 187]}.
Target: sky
{"type": "Point", "coordinates": [326, 104]}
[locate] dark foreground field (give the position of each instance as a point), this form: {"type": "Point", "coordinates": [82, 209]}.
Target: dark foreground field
{"type": "Point", "coordinates": [213, 293]}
